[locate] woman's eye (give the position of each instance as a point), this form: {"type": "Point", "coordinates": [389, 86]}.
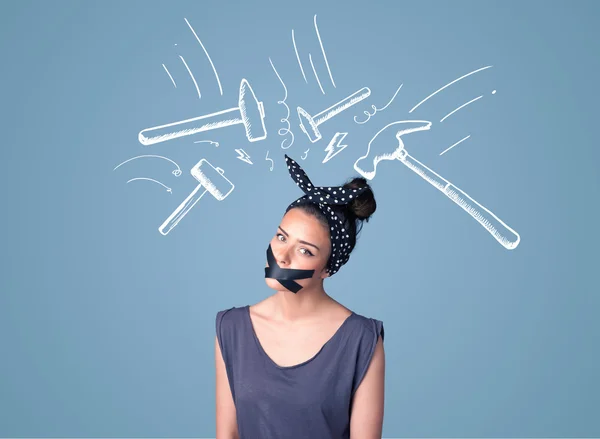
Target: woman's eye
{"type": "Point", "coordinates": [279, 235]}
{"type": "Point", "coordinates": [307, 252]}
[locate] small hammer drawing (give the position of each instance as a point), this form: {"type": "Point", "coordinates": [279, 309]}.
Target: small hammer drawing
{"type": "Point", "coordinates": [212, 180]}
{"type": "Point", "coordinates": [309, 124]}
{"type": "Point", "coordinates": [249, 112]}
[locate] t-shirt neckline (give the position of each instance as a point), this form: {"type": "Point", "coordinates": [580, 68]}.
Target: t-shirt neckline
{"type": "Point", "coordinates": [264, 353]}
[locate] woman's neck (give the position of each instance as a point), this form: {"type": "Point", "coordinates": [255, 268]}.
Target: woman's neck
{"type": "Point", "coordinates": [299, 307]}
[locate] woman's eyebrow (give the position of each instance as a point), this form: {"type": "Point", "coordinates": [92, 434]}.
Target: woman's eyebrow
{"type": "Point", "coordinates": [303, 242]}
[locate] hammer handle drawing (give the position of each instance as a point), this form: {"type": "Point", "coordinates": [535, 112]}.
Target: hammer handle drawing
{"type": "Point", "coordinates": [191, 126]}
{"type": "Point", "coordinates": [182, 209]}
{"type": "Point", "coordinates": [250, 113]}
{"type": "Point", "coordinates": [497, 228]}
{"type": "Point", "coordinates": [337, 108]}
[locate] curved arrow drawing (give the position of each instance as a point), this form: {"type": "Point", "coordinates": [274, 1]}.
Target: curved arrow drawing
{"type": "Point", "coordinates": [176, 172]}
{"type": "Point", "coordinates": [150, 179]}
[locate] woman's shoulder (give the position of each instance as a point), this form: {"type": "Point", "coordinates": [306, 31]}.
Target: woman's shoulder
{"type": "Point", "coordinates": [229, 316]}
{"type": "Point", "coordinates": [369, 326]}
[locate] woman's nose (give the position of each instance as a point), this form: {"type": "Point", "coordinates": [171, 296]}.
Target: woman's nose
{"type": "Point", "coordinates": [282, 258]}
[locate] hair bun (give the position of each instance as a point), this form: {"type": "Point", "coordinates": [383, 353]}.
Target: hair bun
{"type": "Point", "coordinates": [363, 206]}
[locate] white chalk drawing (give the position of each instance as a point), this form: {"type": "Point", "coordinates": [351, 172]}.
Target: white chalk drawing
{"type": "Point", "coordinates": [298, 56]}
{"type": "Point", "coordinates": [243, 156]}
{"type": "Point", "coordinates": [310, 57]}
{"type": "Point", "coordinates": [176, 172]}
{"type": "Point", "coordinates": [168, 73]}
{"type": "Point", "coordinates": [207, 55]}
{"type": "Point", "coordinates": [151, 179]}
{"type": "Point", "coordinates": [447, 85]}
{"type": "Point", "coordinates": [458, 108]}
{"type": "Point", "coordinates": [378, 150]}
{"type": "Point", "coordinates": [315, 72]}
{"type": "Point", "coordinates": [460, 141]}
{"type": "Point", "coordinates": [212, 180]}
{"type": "Point", "coordinates": [191, 76]}
{"type": "Point", "coordinates": [323, 50]}
{"type": "Point", "coordinates": [272, 162]}
{"type": "Point", "coordinates": [285, 120]}
{"type": "Point", "coordinates": [250, 113]}
{"type": "Point", "coordinates": [305, 154]}
{"type": "Point", "coordinates": [207, 141]}
{"type": "Point", "coordinates": [375, 109]}
{"type": "Point", "coordinates": [335, 146]}
{"type": "Point", "coordinates": [309, 124]}
{"type": "Point", "coordinates": [505, 235]}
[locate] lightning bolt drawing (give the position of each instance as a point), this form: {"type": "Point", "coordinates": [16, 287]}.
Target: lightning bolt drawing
{"type": "Point", "coordinates": [243, 156]}
{"type": "Point", "coordinates": [335, 147]}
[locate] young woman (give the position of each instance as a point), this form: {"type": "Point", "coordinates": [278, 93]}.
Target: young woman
{"type": "Point", "coordinates": [298, 364]}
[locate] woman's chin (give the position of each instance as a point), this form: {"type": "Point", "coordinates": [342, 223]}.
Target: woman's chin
{"type": "Point", "coordinates": [273, 283]}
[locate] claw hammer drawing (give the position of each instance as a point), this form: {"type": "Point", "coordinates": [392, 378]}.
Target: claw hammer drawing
{"type": "Point", "coordinates": [505, 235]}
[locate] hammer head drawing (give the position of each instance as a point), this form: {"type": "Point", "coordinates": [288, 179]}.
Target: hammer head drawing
{"type": "Point", "coordinates": [252, 113]}
{"type": "Point", "coordinates": [308, 125]}
{"type": "Point", "coordinates": [387, 144]}
{"type": "Point", "coordinates": [212, 179]}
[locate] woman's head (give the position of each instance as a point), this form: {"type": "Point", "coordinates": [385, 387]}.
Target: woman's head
{"type": "Point", "coordinates": [303, 241]}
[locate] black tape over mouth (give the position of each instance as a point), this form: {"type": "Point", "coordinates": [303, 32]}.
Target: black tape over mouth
{"type": "Point", "coordinates": [285, 276]}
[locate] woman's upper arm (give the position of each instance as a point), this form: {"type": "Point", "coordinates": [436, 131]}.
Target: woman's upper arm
{"type": "Point", "coordinates": [226, 420]}
{"type": "Point", "coordinates": [366, 421]}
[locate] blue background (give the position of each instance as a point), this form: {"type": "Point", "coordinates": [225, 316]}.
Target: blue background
{"type": "Point", "coordinates": [107, 326]}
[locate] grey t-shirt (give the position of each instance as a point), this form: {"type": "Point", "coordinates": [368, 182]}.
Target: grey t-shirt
{"type": "Point", "coordinates": [310, 400]}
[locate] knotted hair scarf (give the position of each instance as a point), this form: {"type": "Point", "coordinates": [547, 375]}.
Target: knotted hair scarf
{"type": "Point", "coordinates": [324, 197]}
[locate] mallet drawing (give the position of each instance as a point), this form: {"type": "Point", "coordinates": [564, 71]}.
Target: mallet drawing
{"type": "Point", "coordinates": [212, 180]}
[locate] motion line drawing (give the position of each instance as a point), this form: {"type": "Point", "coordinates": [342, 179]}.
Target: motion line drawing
{"type": "Point", "coordinates": [270, 159]}
{"type": "Point", "coordinates": [505, 235]}
{"type": "Point", "coordinates": [315, 73]}
{"type": "Point", "coordinates": [151, 179]}
{"type": "Point", "coordinates": [191, 76]}
{"type": "Point", "coordinates": [176, 172]}
{"type": "Point", "coordinates": [323, 50]}
{"type": "Point", "coordinates": [212, 180]}
{"type": "Point", "coordinates": [309, 124]}
{"type": "Point", "coordinates": [310, 57]}
{"type": "Point", "coordinates": [447, 85]}
{"type": "Point", "coordinates": [168, 73]}
{"type": "Point", "coordinates": [375, 109]}
{"type": "Point", "coordinates": [460, 141]}
{"type": "Point", "coordinates": [207, 141]}
{"type": "Point", "coordinates": [285, 120]}
{"type": "Point", "coordinates": [250, 113]}
{"type": "Point", "coordinates": [462, 106]}
{"type": "Point", "coordinates": [207, 55]}
{"type": "Point", "coordinates": [298, 57]}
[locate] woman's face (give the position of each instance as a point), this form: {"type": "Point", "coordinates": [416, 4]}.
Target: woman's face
{"type": "Point", "coordinates": [301, 242]}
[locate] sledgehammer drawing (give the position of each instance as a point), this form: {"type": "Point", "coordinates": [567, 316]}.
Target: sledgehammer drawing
{"type": "Point", "coordinates": [250, 112]}
{"type": "Point", "coordinates": [212, 180]}
{"type": "Point", "coordinates": [494, 225]}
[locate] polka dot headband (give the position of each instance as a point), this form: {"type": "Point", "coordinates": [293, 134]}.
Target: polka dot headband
{"type": "Point", "coordinates": [323, 197]}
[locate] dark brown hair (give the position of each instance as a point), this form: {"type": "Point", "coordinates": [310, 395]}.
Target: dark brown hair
{"type": "Point", "coordinates": [352, 214]}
